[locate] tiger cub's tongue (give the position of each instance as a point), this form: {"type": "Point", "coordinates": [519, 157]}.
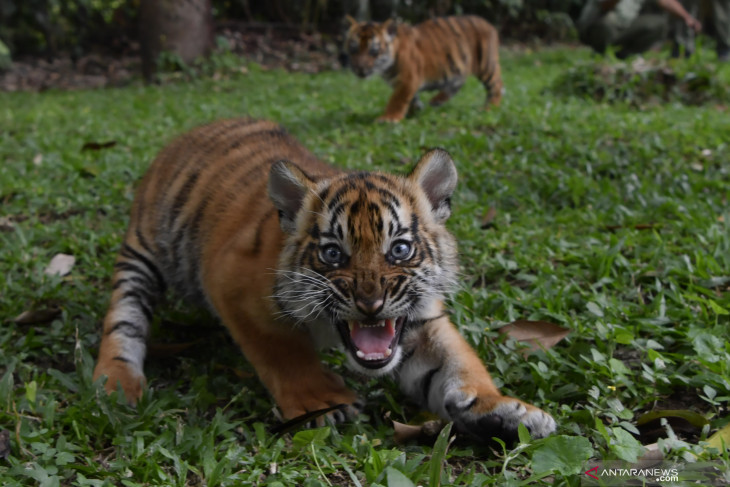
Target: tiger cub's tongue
{"type": "Point", "coordinates": [375, 339]}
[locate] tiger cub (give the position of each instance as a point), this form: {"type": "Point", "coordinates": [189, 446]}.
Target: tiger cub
{"type": "Point", "coordinates": [437, 54]}
{"type": "Point", "coordinates": [294, 256]}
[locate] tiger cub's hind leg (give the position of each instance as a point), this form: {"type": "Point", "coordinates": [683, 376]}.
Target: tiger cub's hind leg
{"type": "Point", "coordinates": [137, 285]}
{"type": "Point", "coordinates": [491, 77]}
{"type": "Point", "coordinates": [445, 94]}
{"type": "Point", "coordinates": [445, 375]}
{"type": "Point", "coordinates": [415, 106]}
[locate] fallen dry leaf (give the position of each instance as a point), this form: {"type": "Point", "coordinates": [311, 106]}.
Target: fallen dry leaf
{"type": "Point", "coordinates": [6, 224]}
{"type": "Point", "coordinates": [539, 334]}
{"type": "Point", "coordinates": [32, 317]}
{"type": "Point", "coordinates": [651, 456]}
{"type": "Point", "coordinates": [38, 159]}
{"type": "Point", "coordinates": [692, 417]}
{"type": "Point", "coordinates": [719, 437]}
{"type": "Point", "coordinates": [682, 421]}
{"type": "Point", "coordinates": [61, 264]}
{"type": "Point", "coordinates": [98, 145]}
{"type": "Point", "coordinates": [488, 219]}
{"type": "Point", "coordinates": [403, 433]}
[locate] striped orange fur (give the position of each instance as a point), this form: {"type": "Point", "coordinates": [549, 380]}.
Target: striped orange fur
{"type": "Point", "coordinates": [438, 54]}
{"type": "Point", "coordinates": [293, 256]}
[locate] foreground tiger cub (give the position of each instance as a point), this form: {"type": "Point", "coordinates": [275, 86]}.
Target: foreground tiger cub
{"type": "Point", "coordinates": [362, 261]}
{"type": "Point", "coordinates": [437, 54]}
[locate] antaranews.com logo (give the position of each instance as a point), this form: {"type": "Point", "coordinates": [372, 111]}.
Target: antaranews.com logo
{"type": "Point", "coordinates": [618, 473]}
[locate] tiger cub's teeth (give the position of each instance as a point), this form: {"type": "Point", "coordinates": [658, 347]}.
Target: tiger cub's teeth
{"type": "Point", "coordinates": [374, 356]}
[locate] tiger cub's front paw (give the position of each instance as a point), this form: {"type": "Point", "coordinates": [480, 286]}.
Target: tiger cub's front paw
{"type": "Point", "coordinates": [120, 374]}
{"type": "Point", "coordinates": [315, 393]}
{"type": "Point", "coordinates": [497, 416]}
{"type": "Point", "coordinates": [389, 118]}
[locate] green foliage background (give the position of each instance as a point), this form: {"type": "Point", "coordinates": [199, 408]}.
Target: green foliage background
{"type": "Point", "coordinates": [78, 27]}
{"type": "Point", "coordinates": [610, 220]}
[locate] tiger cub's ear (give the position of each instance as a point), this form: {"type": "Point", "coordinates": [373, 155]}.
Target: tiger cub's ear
{"type": "Point", "coordinates": [287, 187]}
{"type": "Point", "coordinates": [435, 173]}
{"type": "Point", "coordinates": [351, 20]}
{"type": "Point", "coordinates": [391, 27]}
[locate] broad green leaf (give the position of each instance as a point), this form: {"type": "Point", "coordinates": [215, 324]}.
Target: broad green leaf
{"type": "Point", "coordinates": [303, 438]}
{"type": "Point", "coordinates": [438, 454]}
{"type": "Point", "coordinates": [719, 437]}
{"type": "Point", "coordinates": [595, 309]}
{"type": "Point", "coordinates": [523, 434]}
{"type": "Point", "coordinates": [625, 446]}
{"type": "Point", "coordinates": [396, 478]}
{"type": "Point", "coordinates": [6, 388]}
{"type": "Point", "coordinates": [692, 417]}
{"type": "Point", "coordinates": [563, 454]}
{"type": "Point", "coordinates": [31, 389]}
{"type": "Point", "coordinates": [717, 308]}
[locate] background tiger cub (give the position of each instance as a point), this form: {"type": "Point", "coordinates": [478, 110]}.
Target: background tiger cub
{"type": "Point", "coordinates": [362, 261]}
{"type": "Point", "coordinates": [437, 54]}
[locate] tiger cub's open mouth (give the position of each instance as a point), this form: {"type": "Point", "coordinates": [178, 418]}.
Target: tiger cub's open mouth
{"type": "Point", "coordinates": [372, 344]}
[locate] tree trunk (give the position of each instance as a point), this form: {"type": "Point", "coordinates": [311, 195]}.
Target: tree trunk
{"type": "Point", "coordinates": [182, 27]}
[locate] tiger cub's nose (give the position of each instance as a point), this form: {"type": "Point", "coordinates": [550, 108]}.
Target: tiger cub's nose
{"type": "Point", "coordinates": [369, 298]}
{"type": "Point", "coordinates": [369, 307]}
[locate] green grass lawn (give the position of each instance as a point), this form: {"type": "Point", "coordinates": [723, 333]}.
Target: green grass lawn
{"type": "Point", "coordinates": [608, 220]}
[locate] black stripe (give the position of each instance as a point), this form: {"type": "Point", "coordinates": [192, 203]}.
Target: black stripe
{"type": "Point", "coordinates": [470, 404]}
{"type": "Point", "coordinates": [150, 265]}
{"type": "Point", "coordinates": [128, 329]}
{"type": "Point", "coordinates": [452, 64]}
{"type": "Point", "coordinates": [335, 214]}
{"type": "Point", "coordinates": [193, 225]}
{"type": "Point", "coordinates": [122, 359]}
{"type": "Point", "coordinates": [426, 384]}
{"type": "Point", "coordinates": [140, 299]}
{"type": "Point", "coordinates": [393, 214]}
{"type": "Point", "coordinates": [259, 229]}
{"type": "Point", "coordinates": [182, 196]}
{"type": "Point", "coordinates": [480, 55]}
{"type": "Point", "coordinates": [337, 197]}
{"type": "Point", "coordinates": [206, 143]}
{"type": "Point", "coordinates": [143, 241]}
{"type": "Point", "coordinates": [407, 355]}
{"type": "Point", "coordinates": [388, 195]}
{"type": "Point", "coordinates": [399, 280]}
{"type": "Point", "coordinates": [397, 298]}
{"type": "Point", "coordinates": [141, 281]}
{"type": "Point", "coordinates": [460, 36]}
{"type": "Point", "coordinates": [133, 267]}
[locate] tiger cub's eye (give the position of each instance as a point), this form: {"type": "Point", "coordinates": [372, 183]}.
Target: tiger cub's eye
{"type": "Point", "coordinates": [401, 250]}
{"type": "Point", "coordinates": [331, 254]}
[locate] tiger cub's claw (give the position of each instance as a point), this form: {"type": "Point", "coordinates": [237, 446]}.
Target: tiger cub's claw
{"type": "Point", "coordinates": [498, 416]}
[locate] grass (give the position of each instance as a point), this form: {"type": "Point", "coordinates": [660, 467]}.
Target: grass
{"type": "Point", "coordinates": [611, 221]}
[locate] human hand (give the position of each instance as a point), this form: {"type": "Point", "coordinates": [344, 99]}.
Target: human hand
{"type": "Point", "coordinates": [693, 23]}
